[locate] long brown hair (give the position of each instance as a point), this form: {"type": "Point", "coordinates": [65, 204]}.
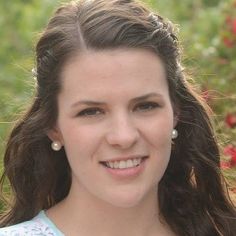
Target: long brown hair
{"type": "Point", "coordinates": [191, 193]}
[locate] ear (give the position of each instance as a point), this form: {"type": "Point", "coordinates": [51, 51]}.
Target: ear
{"type": "Point", "coordinates": [55, 135]}
{"type": "Point", "coordinates": [176, 118]}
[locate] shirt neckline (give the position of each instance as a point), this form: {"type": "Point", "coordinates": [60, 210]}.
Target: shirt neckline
{"type": "Point", "coordinates": [42, 215]}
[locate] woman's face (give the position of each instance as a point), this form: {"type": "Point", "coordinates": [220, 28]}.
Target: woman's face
{"type": "Point", "coordinates": [115, 122]}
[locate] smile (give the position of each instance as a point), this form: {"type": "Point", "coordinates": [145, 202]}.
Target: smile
{"type": "Point", "coordinates": [124, 164]}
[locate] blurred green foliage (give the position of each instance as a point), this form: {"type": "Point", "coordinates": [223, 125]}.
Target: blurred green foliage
{"type": "Point", "coordinates": [202, 30]}
{"type": "Point", "coordinates": [20, 23]}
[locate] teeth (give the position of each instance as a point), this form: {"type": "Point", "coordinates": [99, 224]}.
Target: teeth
{"type": "Point", "coordinates": [124, 164]}
{"type": "Point", "coordinates": [136, 161]}
{"type": "Point", "coordinates": [110, 164]}
{"type": "Point", "coordinates": [116, 164]}
{"type": "Point", "coordinates": [129, 164]}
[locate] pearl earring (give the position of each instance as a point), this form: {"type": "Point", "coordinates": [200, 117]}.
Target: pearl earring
{"type": "Point", "coordinates": [56, 145]}
{"type": "Point", "coordinates": [174, 134]}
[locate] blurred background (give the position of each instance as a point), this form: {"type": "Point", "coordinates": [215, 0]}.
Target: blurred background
{"type": "Point", "coordinates": [207, 31]}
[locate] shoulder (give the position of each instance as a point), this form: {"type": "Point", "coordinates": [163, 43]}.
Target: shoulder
{"type": "Point", "coordinates": [37, 226]}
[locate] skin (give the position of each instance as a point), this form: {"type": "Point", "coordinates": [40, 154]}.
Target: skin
{"type": "Point", "coordinates": [129, 113]}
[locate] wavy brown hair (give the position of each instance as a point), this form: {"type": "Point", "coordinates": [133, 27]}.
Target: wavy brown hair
{"type": "Point", "coordinates": [191, 194]}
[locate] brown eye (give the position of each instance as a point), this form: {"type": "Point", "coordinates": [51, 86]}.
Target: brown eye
{"type": "Point", "coordinates": [146, 106]}
{"type": "Point", "coordinates": [90, 112]}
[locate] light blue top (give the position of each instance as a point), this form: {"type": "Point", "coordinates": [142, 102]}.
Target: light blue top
{"type": "Point", "coordinates": [40, 225]}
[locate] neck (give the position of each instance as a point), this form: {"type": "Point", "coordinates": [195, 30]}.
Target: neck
{"type": "Point", "coordinates": [82, 214]}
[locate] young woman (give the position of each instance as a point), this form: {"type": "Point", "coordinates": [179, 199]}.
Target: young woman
{"type": "Point", "coordinates": [116, 141]}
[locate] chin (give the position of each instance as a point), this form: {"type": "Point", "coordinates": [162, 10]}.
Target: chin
{"type": "Point", "coordinates": [126, 199]}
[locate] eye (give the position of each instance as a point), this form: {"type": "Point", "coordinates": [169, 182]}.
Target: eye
{"type": "Point", "coordinates": [146, 106]}
{"type": "Point", "coordinates": [93, 111]}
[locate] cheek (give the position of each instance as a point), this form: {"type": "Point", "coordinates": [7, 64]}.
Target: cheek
{"type": "Point", "coordinates": [158, 131]}
{"type": "Point", "coordinates": [158, 137]}
{"type": "Point", "coordinates": [160, 147]}
{"type": "Point", "coordinates": [80, 141]}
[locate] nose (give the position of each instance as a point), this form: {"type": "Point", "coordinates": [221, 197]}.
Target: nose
{"type": "Point", "coordinates": [123, 133]}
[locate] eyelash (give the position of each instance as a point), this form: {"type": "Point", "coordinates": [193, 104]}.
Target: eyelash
{"type": "Point", "coordinates": [146, 106]}
{"type": "Point", "coordinates": [88, 111]}
{"type": "Point", "coordinates": [142, 107]}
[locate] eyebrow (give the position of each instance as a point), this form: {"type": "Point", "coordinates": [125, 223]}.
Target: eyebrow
{"type": "Point", "coordinates": [133, 100]}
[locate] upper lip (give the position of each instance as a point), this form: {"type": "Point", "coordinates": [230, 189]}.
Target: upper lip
{"type": "Point", "coordinates": [124, 158]}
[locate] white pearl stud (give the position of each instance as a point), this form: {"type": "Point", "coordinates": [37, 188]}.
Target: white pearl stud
{"type": "Point", "coordinates": [56, 146]}
{"type": "Point", "coordinates": [174, 134]}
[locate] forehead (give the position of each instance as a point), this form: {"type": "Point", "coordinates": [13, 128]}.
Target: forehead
{"type": "Point", "coordinates": [107, 71]}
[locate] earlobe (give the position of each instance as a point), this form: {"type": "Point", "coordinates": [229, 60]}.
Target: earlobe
{"type": "Point", "coordinates": [175, 121]}
{"type": "Point", "coordinates": [54, 134]}
{"type": "Point", "coordinates": [176, 117]}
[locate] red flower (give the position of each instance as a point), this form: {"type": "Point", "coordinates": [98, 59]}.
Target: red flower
{"type": "Point", "coordinates": [230, 120]}
{"type": "Point", "coordinates": [228, 20]}
{"type": "Point", "coordinates": [228, 42]}
{"type": "Point", "coordinates": [231, 24]}
{"type": "Point", "coordinates": [229, 150]}
{"type": "Point", "coordinates": [225, 165]}
{"type": "Point", "coordinates": [234, 26]}
{"type": "Point", "coordinates": [233, 160]}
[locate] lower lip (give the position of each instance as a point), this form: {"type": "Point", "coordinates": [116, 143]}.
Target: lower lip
{"type": "Point", "coordinates": [127, 172]}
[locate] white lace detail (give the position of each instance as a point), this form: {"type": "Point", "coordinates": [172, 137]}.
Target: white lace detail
{"type": "Point", "coordinates": [38, 226]}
